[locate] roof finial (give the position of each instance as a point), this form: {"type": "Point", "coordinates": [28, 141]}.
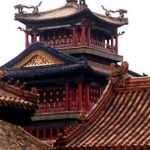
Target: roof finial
{"type": "Point", "coordinates": [119, 75]}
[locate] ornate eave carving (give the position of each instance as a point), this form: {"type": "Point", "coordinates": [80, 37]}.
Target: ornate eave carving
{"type": "Point", "coordinates": [38, 61]}
{"type": "Point", "coordinates": [38, 58]}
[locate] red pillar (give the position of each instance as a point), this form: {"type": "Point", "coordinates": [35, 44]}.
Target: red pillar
{"type": "Point", "coordinates": [37, 133]}
{"type": "Point", "coordinates": [112, 43]}
{"type": "Point", "coordinates": [107, 43]}
{"type": "Point", "coordinates": [44, 134]}
{"type": "Point", "coordinates": [34, 37]}
{"type": "Point", "coordinates": [83, 35]}
{"type": "Point", "coordinates": [26, 39]}
{"type": "Point", "coordinates": [87, 97]}
{"type": "Point", "coordinates": [67, 96]}
{"type": "Point", "coordinates": [58, 131]}
{"type": "Point", "coordinates": [73, 36]}
{"type": "Point", "coordinates": [89, 35]}
{"type": "Point", "coordinates": [116, 47]}
{"type": "Point", "coordinates": [79, 95]}
{"type": "Point", "coordinates": [41, 38]}
{"type": "Point", "coordinates": [51, 133]}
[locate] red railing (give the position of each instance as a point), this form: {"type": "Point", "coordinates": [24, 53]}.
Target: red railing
{"type": "Point", "coordinates": [54, 107]}
{"type": "Point", "coordinates": [73, 105]}
{"type": "Point", "coordinates": [51, 107]}
{"type": "Point", "coordinates": [68, 43]}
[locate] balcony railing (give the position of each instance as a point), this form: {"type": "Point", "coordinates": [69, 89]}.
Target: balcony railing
{"type": "Point", "coordinates": [68, 43]}
{"type": "Point", "coordinates": [51, 107]}
{"type": "Point", "coordinates": [55, 107]}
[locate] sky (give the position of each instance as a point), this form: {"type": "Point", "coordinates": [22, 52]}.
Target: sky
{"type": "Point", "coordinates": [133, 45]}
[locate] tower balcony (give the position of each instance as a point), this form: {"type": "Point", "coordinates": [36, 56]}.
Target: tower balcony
{"type": "Point", "coordinates": [75, 37]}
{"type": "Point", "coordinates": [68, 42]}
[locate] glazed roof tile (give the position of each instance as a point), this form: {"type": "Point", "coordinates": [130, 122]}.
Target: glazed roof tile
{"type": "Point", "coordinates": [45, 70]}
{"type": "Point", "coordinates": [70, 64]}
{"type": "Point", "coordinates": [112, 20]}
{"type": "Point", "coordinates": [53, 71]}
{"type": "Point", "coordinates": [15, 97]}
{"type": "Point", "coordinates": [120, 119]}
{"type": "Point", "coordinates": [36, 46]}
{"type": "Point", "coordinates": [13, 137]}
{"type": "Point", "coordinates": [12, 101]}
{"type": "Point", "coordinates": [67, 11]}
{"type": "Point", "coordinates": [56, 13]}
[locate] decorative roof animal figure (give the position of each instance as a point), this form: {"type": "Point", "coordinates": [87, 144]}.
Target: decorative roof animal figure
{"type": "Point", "coordinates": [116, 72]}
{"type": "Point", "coordinates": [120, 11]}
{"type": "Point", "coordinates": [20, 8]}
{"type": "Point", "coordinates": [119, 75]}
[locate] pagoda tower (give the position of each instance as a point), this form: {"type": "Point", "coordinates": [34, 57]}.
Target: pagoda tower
{"type": "Point", "coordinates": [67, 57]}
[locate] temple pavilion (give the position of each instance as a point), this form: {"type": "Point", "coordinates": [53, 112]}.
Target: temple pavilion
{"type": "Point", "coordinates": [66, 59]}
{"type": "Point", "coordinates": [119, 121]}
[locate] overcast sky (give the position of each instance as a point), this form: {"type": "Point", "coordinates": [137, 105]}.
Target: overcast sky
{"type": "Point", "coordinates": [133, 45]}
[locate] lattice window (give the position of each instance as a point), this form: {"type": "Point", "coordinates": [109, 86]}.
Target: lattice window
{"type": "Point", "coordinates": [94, 93]}
{"type": "Point", "coordinates": [52, 95]}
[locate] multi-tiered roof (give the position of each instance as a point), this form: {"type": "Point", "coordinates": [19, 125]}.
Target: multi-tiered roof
{"type": "Point", "coordinates": [76, 30]}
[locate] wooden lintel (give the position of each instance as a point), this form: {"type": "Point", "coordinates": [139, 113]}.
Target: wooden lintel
{"type": "Point", "coordinates": [49, 28]}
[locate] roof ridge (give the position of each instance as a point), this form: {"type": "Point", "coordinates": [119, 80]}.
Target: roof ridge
{"type": "Point", "coordinates": [134, 83]}
{"type": "Point", "coordinates": [63, 56]}
{"type": "Point", "coordinates": [56, 9]}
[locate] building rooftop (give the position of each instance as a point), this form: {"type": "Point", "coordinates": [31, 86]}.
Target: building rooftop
{"type": "Point", "coordinates": [69, 10]}
{"type": "Point", "coordinates": [14, 96]}
{"type": "Point", "coordinates": [120, 119]}
{"type": "Point", "coordinates": [40, 63]}
{"type": "Point", "coordinates": [13, 137]}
